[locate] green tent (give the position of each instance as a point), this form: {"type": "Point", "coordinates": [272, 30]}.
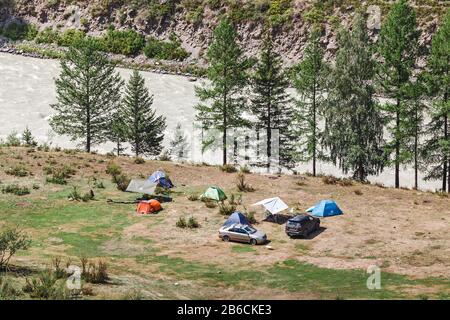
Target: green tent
{"type": "Point", "coordinates": [214, 193]}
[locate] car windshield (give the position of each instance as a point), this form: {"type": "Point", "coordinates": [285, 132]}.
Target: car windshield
{"type": "Point", "coordinates": [249, 229]}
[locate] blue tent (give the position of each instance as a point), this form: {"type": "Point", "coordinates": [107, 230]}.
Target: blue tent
{"type": "Point", "coordinates": [156, 176]}
{"type": "Point", "coordinates": [165, 183]}
{"type": "Point", "coordinates": [325, 208]}
{"type": "Point", "coordinates": [236, 217]}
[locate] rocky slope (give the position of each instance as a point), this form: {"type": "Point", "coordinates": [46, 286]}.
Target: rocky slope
{"type": "Point", "coordinates": [193, 20]}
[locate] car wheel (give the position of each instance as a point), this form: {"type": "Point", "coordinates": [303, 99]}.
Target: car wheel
{"type": "Point", "coordinates": [226, 238]}
{"type": "Point", "coordinates": [253, 242]}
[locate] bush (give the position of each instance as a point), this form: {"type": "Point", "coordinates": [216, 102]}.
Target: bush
{"type": "Point", "coordinates": [28, 139]}
{"type": "Point", "coordinates": [226, 209]}
{"type": "Point", "coordinates": [45, 286]}
{"type": "Point", "coordinates": [358, 192]}
{"type": "Point", "coordinates": [242, 185]}
{"type": "Point", "coordinates": [192, 223]}
{"type": "Point", "coordinates": [165, 50]}
{"type": "Point", "coordinates": [19, 31]}
{"type": "Point", "coordinates": [209, 203]}
{"type": "Point", "coordinates": [12, 140]}
{"type": "Point", "coordinates": [113, 169]}
{"type": "Point", "coordinates": [59, 175]}
{"type": "Point", "coordinates": [165, 156]}
{"type": "Point", "coordinates": [228, 168]}
{"type": "Point", "coordinates": [18, 171]}
{"type": "Point", "coordinates": [337, 181]}
{"type": "Point", "coordinates": [16, 189]}
{"type": "Point", "coordinates": [74, 194]}
{"type": "Point", "coordinates": [93, 272]}
{"type": "Point", "coordinates": [251, 217]}
{"type": "Point", "coordinates": [11, 240]}
{"type": "Point", "coordinates": [139, 160]}
{"type": "Point", "coordinates": [181, 223]}
{"type": "Point", "coordinates": [47, 36]}
{"type": "Point", "coordinates": [122, 181]}
{"type": "Point", "coordinates": [70, 37]}
{"type": "Point", "coordinates": [244, 169]}
{"type": "Point", "coordinates": [127, 42]}
{"type": "Point", "coordinates": [193, 197]}
{"type": "Point", "coordinates": [7, 291]}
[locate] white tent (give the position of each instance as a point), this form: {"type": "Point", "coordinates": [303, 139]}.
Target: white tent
{"type": "Point", "coordinates": [273, 205]}
{"type": "Point", "coordinates": [141, 186]}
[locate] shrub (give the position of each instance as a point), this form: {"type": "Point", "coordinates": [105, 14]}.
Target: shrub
{"type": "Point", "coordinates": [127, 42]}
{"type": "Point", "coordinates": [94, 272]}
{"type": "Point", "coordinates": [165, 156]}
{"type": "Point", "coordinates": [70, 37]}
{"type": "Point", "coordinates": [242, 185]}
{"type": "Point", "coordinates": [11, 240]}
{"type": "Point", "coordinates": [88, 196]}
{"type": "Point", "coordinates": [12, 140]}
{"type": "Point", "coordinates": [251, 217]}
{"type": "Point", "coordinates": [59, 175]}
{"type": "Point", "coordinates": [181, 223]}
{"type": "Point", "coordinates": [193, 197]}
{"type": "Point", "coordinates": [15, 189]}
{"type": "Point", "coordinates": [228, 168]}
{"type": "Point", "coordinates": [139, 160]}
{"type": "Point", "coordinates": [244, 169]}
{"type": "Point", "coordinates": [18, 171]}
{"type": "Point", "coordinates": [45, 286]}
{"type": "Point", "coordinates": [113, 169]}
{"type": "Point", "coordinates": [122, 181]}
{"type": "Point", "coordinates": [74, 194]}
{"type": "Point", "coordinates": [358, 192]}
{"type": "Point", "coordinates": [192, 223]}
{"type": "Point", "coordinates": [7, 291]}
{"type": "Point", "coordinates": [28, 139]}
{"type": "Point", "coordinates": [210, 203]}
{"type": "Point", "coordinates": [48, 36]}
{"type": "Point", "coordinates": [59, 272]}
{"type": "Point", "coordinates": [19, 31]}
{"type": "Point", "coordinates": [165, 50]}
{"type": "Point", "coordinates": [226, 209]}
{"type": "Point", "coordinates": [345, 182]}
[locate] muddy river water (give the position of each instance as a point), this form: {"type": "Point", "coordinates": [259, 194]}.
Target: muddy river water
{"type": "Point", "coordinates": [27, 89]}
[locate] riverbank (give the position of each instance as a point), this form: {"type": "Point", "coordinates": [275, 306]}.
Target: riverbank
{"type": "Point", "coordinates": [140, 62]}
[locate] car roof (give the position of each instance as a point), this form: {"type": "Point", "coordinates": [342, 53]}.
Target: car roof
{"type": "Point", "coordinates": [300, 217]}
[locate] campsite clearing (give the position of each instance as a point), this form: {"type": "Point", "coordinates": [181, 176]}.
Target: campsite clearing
{"type": "Point", "coordinates": [405, 232]}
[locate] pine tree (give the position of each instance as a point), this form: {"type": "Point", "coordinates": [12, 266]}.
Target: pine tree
{"type": "Point", "coordinates": [145, 130]}
{"type": "Point", "coordinates": [398, 49]}
{"type": "Point", "coordinates": [310, 78]}
{"type": "Point", "coordinates": [118, 131]}
{"type": "Point", "coordinates": [271, 103]}
{"type": "Point", "coordinates": [437, 147]}
{"type": "Point", "coordinates": [179, 147]}
{"type": "Point", "coordinates": [222, 101]}
{"type": "Point", "coordinates": [88, 91]}
{"type": "Point", "coordinates": [28, 139]}
{"type": "Point", "coordinates": [354, 125]}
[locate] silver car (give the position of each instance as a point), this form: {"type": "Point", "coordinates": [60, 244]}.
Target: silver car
{"type": "Point", "coordinates": [242, 233]}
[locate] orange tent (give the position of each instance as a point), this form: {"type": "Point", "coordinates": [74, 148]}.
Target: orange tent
{"type": "Point", "coordinates": [148, 206]}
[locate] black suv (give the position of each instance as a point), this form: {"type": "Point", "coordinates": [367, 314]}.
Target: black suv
{"type": "Point", "coordinates": [302, 225]}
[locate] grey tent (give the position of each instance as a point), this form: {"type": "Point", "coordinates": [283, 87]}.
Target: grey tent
{"type": "Point", "coordinates": [141, 186]}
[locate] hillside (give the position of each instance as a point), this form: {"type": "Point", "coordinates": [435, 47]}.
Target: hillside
{"type": "Point", "coordinates": [404, 232]}
{"type": "Point", "coordinates": [192, 21]}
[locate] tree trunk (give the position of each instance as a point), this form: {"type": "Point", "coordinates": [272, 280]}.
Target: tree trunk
{"type": "Point", "coordinates": [88, 130]}
{"type": "Point", "coordinates": [397, 146]}
{"type": "Point", "coordinates": [416, 160]}
{"type": "Point", "coordinates": [314, 130]}
{"type": "Point", "coordinates": [224, 138]}
{"type": "Point", "coordinates": [269, 140]}
{"type": "Point", "coordinates": [446, 167]}
{"type": "Point", "coordinates": [118, 147]}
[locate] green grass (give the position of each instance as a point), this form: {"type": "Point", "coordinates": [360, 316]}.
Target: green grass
{"type": "Point", "coordinates": [238, 248]}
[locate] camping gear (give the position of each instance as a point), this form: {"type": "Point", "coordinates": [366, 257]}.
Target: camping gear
{"type": "Point", "coordinates": [236, 217]}
{"type": "Point", "coordinates": [159, 177]}
{"type": "Point", "coordinates": [273, 205]}
{"type": "Point", "coordinates": [214, 193]}
{"type": "Point", "coordinates": [165, 183]}
{"type": "Point", "coordinates": [325, 208]}
{"type": "Point", "coordinates": [156, 176]}
{"type": "Point", "coordinates": [148, 206]}
{"type": "Point", "coordinates": [141, 186]}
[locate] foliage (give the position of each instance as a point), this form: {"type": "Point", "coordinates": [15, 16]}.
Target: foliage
{"type": "Point", "coordinates": [242, 185]}
{"type": "Point", "coordinates": [165, 50]}
{"type": "Point", "coordinates": [88, 90]}
{"type": "Point", "coordinates": [19, 31]}
{"type": "Point", "coordinates": [228, 168]}
{"type": "Point", "coordinates": [192, 223]}
{"type": "Point", "coordinates": [48, 36]}
{"type": "Point", "coordinates": [46, 286]}
{"type": "Point", "coordinates": [310, 82]}
{"type": "Point", "coordinates": [70, 37]}
{"type": "Point", "coordinates": [12, 140]}
{"type": "Point", "coordinates": [18, 171]}
{"type": "Point", "coordinates": [222, 101]}
{"type": "Point", "coordinates": [94, 272]}
{"type": "Point", "coordinates": [181, 223]}
{"type": "Point", "coordinates": [28, 139]}
{"type": "Point", "coordinates": [144, 130]}
{"type": "Point", "coordinates": [354, 125]}
{"type": "Point", "coordinates": [179, 146]}
{"type": "Point", "coordinates": [15, 189]}
{"type": "Point", "coordinates": [11, 241]}
{"type": "Point", "coordinates": [128, 42]}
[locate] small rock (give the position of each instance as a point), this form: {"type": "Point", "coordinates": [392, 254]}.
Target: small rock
{"type": "Point", "coordinates": [269, 247]}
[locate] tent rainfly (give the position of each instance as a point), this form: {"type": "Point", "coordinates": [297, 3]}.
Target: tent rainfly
{"type": "Point", "coordinates": [236, 217]}
{"type": "Point", "coordinates": [214, 193]}
{"type": "Point", "coordinates": [273, 205]}
{"type": "Point", "coordinates": [141, 186]}
{"type": "Point", "coordinates": [325, 208]}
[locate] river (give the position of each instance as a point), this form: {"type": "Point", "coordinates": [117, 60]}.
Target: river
{"type": "Point", "coordinates": [27, 89]}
